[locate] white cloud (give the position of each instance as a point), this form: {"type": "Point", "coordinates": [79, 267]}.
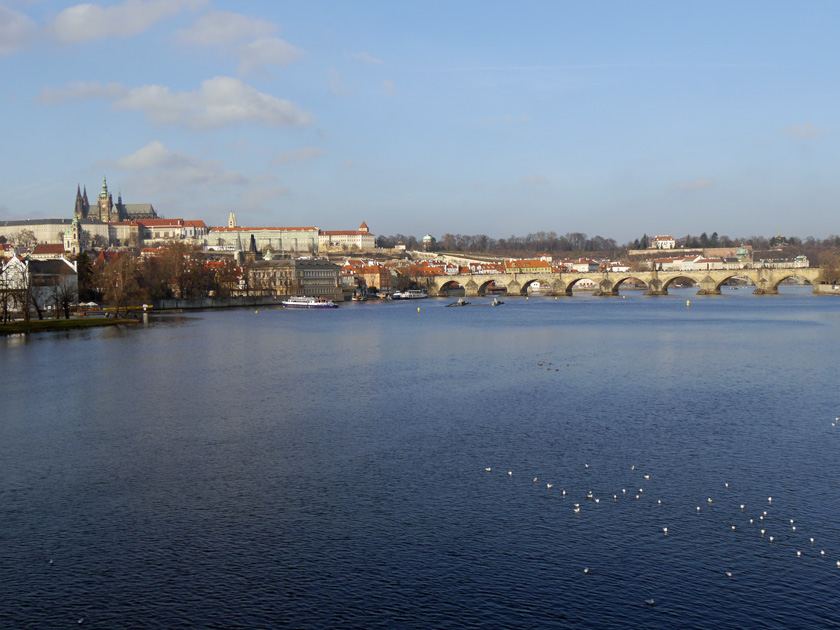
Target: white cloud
{"type": "Point", "coordinates": [266, 51]}
{"type": "Point", "coordinates": [804, 131]}
{"type": "Point", "coordinates": [224, 27]}
{"type": "Point", "coordinates": [159, 169]}
{"type": "Point", "coordinates": [388, 87]}
{"type": "Point", "coordinates": [336, 84]}
{"type": "Point", "coordinates": [303, 154]}
{"type": "Point", "coordinates": [80, 90]}
{"type": "Point", "coordinates": [694, 184]}
{"type": "Point", "coordinates": [220, 101]}
{"type": "Point", "coordinates": [363, 56]}
{"type": "Point", "coordinates": [535, 180]}
{"type": "Point", "coordinates": [16, 30]}
{"type": "Point", "coordinates": [87, 22]}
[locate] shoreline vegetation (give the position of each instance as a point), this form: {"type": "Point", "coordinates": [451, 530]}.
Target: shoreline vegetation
{"type": "Point", "coordinates": [39, 325]}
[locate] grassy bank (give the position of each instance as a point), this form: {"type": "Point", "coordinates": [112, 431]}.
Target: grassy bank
{"type": "Point", "coordinates": [37, 325]}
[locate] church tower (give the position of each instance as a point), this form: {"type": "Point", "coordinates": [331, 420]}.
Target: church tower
{"type": "Point", "coordinates": [106, 203]}
{"type": "Point", "coordinates": [80, 212]}
{"type": "Point", "coordinates": [232, 220]}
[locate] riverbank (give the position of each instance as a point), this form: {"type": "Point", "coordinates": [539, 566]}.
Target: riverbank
{"type": "Point", "coordinates": [38, 325]}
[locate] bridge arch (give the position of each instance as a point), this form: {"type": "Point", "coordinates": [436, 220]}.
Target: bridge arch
{"type": "Point", "coordinates": [628, 278]}
{"type": "Point", "coordinates": [489, 284]}
{"type": "Point", "coordinates": [786, 276]}
{"type": "Point", "coordinates": [679, 278]}
{"type": "Point", "coordinates": [451, 287]}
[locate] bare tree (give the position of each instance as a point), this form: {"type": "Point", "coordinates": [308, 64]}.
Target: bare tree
{"type": "Point", "coordinates": [119, 282]}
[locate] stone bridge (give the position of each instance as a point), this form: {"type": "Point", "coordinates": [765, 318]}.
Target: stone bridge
{"type": "Point", "coordinates": [607, 283]}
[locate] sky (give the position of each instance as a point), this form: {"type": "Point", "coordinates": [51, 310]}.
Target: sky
{"type": "Point", "coordinates": [427, 117]}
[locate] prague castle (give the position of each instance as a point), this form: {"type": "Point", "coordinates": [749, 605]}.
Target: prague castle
{"type": "Point", "coordinates": [107, 211]}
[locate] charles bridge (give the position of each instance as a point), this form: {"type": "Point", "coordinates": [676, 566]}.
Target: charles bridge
{"type": "Point", "coordinates": [766, 281]}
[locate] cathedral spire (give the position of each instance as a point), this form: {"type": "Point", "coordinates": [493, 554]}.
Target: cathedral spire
{"type": "Point", "coordinates": [104, 192]}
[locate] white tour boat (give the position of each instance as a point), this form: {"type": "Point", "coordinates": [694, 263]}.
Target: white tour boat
{"type": "Point", "coordinates": [308, 302]}
{"type": "Point", "coordinates": [411, 294]}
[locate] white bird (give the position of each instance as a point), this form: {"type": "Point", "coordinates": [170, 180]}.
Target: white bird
{"type": "Point", "coordinates": [549, 485]}
{"type": "Point", "coordinates": [649, 602]}
{"type": "Point", "coordinates": [771, 539]}
{"type": "Point", "coordinates": [762, 532]}
{"type": "Point", "coordinates": [659, 501]}
{"type": "Point", "coordinates": [488, 469]}
{"type": "Point", "coordinates": [698, 508]}
{"type": "Point", "coordinates": [586, 570]}
{"type": "Point", "coordinates": [51, 562]}
{"type": "Point", "coordinates": [769, 499]}
{"type": "Point", "coordinates": [822, 552]}
{"type": "Point", "coordinates": [589, 495]}
{"type": "Point", "coordinates": [623, 491]}
{"type": "Point", "coordinates": [793, 528]}
{"type": "Point", "coordinates": [727, 484]}
{"type": "Point", "coordinates": [615, 497]}
{"type": "Point", "coordinates": [586, 465]}
{"type": "Point", "coordinates": [838, 564]}
{"type": "Point", "coordinates": [577, 510]}
{"type": "Point", "coordinates": [709, 500]}
{"type": "Point", "coordinates": [564, 493]}
{"type": "Point", "coordinates": [647, 476]}
{"type": "Point", "coordinates": [634, 468]}
{"type": "Point", "coordinates": [597, 500]}
{"type": "Point", "coordinates": [665, 529]}
{"type": "Point", "coordinates": [765, 512]}
{"type": "Point", "coordinates": [760, 518]}
{"type": "Point", "coordinates": [637, 496]}
{"type": "Point", "coordinates": [751, 521]}
{"type": "Point", "coordinates": [742, 506]}
{"type": "Point", "coordinates": [733, 528]}
{"type": "Point", "coordinates": [729, 574]}
{"type": "Point", "coordinates": [798, 554]}
{"type": "Point", "coordinates": [791, 520]}
{"type": "Point", "coordinates": [812, 540]}
{"type": "Point", "coordinates": [641, 490]}
{"type": "Point", "coordinates": [535, 480]}
{"type": "Point", "coordinates": [510, 473]}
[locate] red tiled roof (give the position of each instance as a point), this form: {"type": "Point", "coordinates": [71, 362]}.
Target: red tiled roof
{"type": "Point", "coordinates": [254, 229]}
{"type": "Point", "coordinates": [48, 248]}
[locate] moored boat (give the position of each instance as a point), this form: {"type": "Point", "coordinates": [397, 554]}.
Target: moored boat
{"type": "Point", "coordinates": [308, 302]}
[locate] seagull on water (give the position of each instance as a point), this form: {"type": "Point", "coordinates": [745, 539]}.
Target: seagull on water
{"type": "Point", "coordinates": [798, 554]}
{"type": "Point", "coordinates": [647, 476]}
{"type": "Point", "coordinates": [510, 473]}
{"type": "Point", "coordinates": [769, 499]}
{"type": "Point", "coordinates": [649, 602]}
{"type": "Point", "coordinates": [665, 529]}
{"type": "Point", "coordinates": [771, 539]}
{"type": "Point", "coordinates": [729, 574]}
{"type": "Point", "coordinates": [586, 570]}
{"type": "Point", "coordinates": [535, 480]}
{"type": "Point", "coordinates": [488, 469]}
{"type": "Point", "coordinates": [742, 506]}
{"type": "Point", "coordinates": [549, 485]}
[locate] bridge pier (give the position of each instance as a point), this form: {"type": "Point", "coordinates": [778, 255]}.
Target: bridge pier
{"type": "Point", "coordinates": [655, 287]}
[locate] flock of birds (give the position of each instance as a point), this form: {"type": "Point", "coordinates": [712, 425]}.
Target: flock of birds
{"type": "Point", "coordinates": [760, 519]}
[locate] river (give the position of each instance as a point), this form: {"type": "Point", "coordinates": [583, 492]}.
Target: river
{"type": "Point", "coordinates": [328, 469]}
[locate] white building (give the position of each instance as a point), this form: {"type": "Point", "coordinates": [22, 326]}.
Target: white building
{"type": "Point", "coordinates": [663, 242]}
{"type": "Point", "coordinates": [360, 239]}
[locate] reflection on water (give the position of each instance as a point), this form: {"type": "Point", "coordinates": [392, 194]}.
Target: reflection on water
{"type": "Point", "coordinates": [327, 469]}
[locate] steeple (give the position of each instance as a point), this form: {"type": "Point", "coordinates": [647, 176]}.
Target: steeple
{"type": "Point", "coordinates": [103, 194]}
{"type": "Point", "coordinates": [232, 220]}
{"type": "Point", "coordinates": [84, 196]}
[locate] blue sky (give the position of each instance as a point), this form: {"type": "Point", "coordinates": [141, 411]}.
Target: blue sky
{"type": "Point", "coordinates": [609, 118]}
